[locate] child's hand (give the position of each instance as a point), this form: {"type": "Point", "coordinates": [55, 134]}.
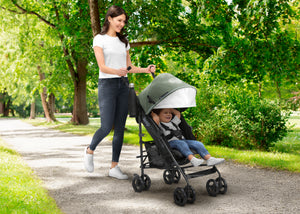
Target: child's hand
{"type": "Point", "coordinates": [155, 117]}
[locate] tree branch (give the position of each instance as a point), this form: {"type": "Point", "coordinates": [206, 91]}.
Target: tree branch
{"type": "Point", "coordinates": [24, 11]}
{"type": "Point", "coordinates": [9, 10]}
{"type": "Point", "coordinates": [151, 43]}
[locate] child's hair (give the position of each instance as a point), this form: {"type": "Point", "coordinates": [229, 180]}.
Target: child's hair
{"type": "Point", "coordinates": [157, 111]}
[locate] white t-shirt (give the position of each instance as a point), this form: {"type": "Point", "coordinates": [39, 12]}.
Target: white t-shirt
{"type": "Point", "coordinates": [114, 53]}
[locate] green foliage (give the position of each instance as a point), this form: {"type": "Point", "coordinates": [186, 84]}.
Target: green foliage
{"type": "Point", "coordinates": [254, 44]}
{"type": "Point", "coordinates": [232, 117]}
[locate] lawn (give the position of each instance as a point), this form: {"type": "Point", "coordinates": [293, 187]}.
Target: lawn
{"type": "Point", "coordinates": [285, 155]}
{"type": "Point", "coordinates": [20, 189]}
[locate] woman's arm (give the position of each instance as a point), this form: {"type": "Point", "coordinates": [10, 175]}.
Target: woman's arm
{"type": "Point", "coordinates": [149, 69]}
{"type": "Point", "coordinates": [101, 63]}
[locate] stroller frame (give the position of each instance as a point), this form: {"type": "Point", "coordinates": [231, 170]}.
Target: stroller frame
{"type": "Point", "coordinates": [173, 170]}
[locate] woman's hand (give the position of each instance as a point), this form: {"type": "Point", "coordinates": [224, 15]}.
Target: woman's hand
{"type": "Point", "coordinates": [122, 72]}
{"type": "Point", "coordinates": [151, 68]}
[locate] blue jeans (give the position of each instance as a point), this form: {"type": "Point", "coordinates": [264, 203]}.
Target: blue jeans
{"type": "Point", "coordinates": [184, 146]}
{"type": "Point", "coordinates": [113, 104]}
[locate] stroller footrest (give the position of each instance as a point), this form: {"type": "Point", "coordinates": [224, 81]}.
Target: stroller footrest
{"type": "Point", "coordinates": [202, 173]}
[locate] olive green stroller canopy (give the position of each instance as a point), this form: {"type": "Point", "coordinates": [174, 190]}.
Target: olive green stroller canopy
{"type": "Point", "coordinates": [167, 91]}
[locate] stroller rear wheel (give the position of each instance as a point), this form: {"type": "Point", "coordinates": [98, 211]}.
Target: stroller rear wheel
{"type": "Point", "coordinates": [140, 183]}
{"type": "Point", "coordinates": [180, 197]}
{"type": "Point", "coordinates": [137, 183]}
{"type": "Point", "coordinates": [147, 181]}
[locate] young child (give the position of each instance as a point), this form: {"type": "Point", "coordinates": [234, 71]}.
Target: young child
{"type": "Point", "coordinates": [169, 124]}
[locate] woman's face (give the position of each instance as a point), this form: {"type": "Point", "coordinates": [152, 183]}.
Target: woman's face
{"type": "Point", "coordinates": [117, 23]}
{"type": "Point", "coordinates": [165, 115]}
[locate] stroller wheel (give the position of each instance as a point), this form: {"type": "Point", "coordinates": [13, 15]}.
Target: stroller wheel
{"type": "Point", "coordinates": [212, 187]}
{"type": "Point", "coordinates": [180, 197]}
{"type": "Point", "coordinates": [190, 193]}
{"type": "Point", "coordinates": [147, 181]}
{"type": "Point", "coordinates": [138, 184]}
{"type": "Point", "coordinates": [168, 176]}
{"type": "Point", "coordinates": [222, 185]}
{"type": "Point", "coordinates": [176, 176]}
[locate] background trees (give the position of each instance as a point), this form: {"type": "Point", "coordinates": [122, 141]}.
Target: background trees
{"type": "Point", "coordinates": [247, 45]}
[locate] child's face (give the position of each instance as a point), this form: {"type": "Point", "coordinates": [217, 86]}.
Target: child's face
{"type": "Point", "coordinates": [165, 115]}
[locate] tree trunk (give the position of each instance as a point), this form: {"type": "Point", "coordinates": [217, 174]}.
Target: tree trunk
{"type": "Point", "coordinates": [4, 104]}
{"type": "Point", "coordinates": [278, 89]}
{"type": "Point", "coordinates": [49, 114]}
{"type": "Point", "coordinates": [32, 111]}
{"type": "Point", "coordinates": [259, 89]}
{"type": "Point", "coordinates": [51, 102]}
{"type": "Point", "coordinates": [95, 18]}
{"type": "Point", "coordinates": [6, 107]}
{"type": "Point", "coordinates": [1, 103]}
{"type": "Point", "coordinates": [79, 108]}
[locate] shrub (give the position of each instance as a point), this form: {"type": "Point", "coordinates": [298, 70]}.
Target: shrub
{"type": "Point", "coordinates": [233, 117]}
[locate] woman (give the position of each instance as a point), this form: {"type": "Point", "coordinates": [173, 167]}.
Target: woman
{"type": "Point", "coordinates": [111, 49]}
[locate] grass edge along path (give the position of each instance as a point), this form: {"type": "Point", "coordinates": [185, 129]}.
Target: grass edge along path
{"type": "Point", "coordinates": [271, 160]}
{"type": "Point", "coordinates": [260, 159]}
{"type": "Point", "coordinates": [21, 191]}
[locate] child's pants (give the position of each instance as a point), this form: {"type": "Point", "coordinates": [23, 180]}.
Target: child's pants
{"type": "Point", "coordinates": [184, 147]}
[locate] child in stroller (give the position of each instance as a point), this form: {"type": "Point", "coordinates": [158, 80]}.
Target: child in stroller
{"type": "Point", "coordinates": [168, 120]}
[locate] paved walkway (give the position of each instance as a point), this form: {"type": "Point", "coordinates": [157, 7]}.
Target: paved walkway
{"type": "Point", "coordinates": [56, 158]}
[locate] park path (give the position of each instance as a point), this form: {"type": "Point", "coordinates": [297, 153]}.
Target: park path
{"type": "Point", "coordinates": [56, 158]}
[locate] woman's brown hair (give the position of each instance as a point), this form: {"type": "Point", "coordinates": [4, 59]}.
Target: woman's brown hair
{"type": "Point", "coordinates": [112, 12]}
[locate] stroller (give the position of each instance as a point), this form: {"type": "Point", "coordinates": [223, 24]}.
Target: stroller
{"type": "Point", "coordinates": [167, 91]}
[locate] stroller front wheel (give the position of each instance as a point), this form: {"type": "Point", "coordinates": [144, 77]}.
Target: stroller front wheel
{"type": "Point", "coordinates": [190, 193]}
{"type": "Point", "coordinates": [221, 182]}
{"type": "Point", "coordinates": [212, 187]}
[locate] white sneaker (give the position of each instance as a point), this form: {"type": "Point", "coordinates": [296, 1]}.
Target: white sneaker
{"type": "Point", "coordinates": [117, 173]}
{"type": "Point", "coordinates": [214, 161]}
{"type": "Point", "coordinates": [88, 161]}
{"type": "Point", "coordinates": [196, 162]}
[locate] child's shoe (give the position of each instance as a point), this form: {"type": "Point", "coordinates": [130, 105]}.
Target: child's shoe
{"type": "Point", "coordinates": [214, 161]}
{"type": "Point", "coordinates": [196, 161]}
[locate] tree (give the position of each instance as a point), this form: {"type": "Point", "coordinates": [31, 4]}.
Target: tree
{"type": "Point", "coordinates": [69, 21]}
{"type": "Point", "coordinates": [259, 48]}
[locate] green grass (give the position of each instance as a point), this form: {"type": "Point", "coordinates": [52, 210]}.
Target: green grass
{"type": "Point", "coordinates": [285, 155]}
{"type": "Point", "coordinates": [20, 189]}
{"type": "Point", "coordinates": [272, 160]}
{"type": "Point", "coordinates": [290, 143]}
